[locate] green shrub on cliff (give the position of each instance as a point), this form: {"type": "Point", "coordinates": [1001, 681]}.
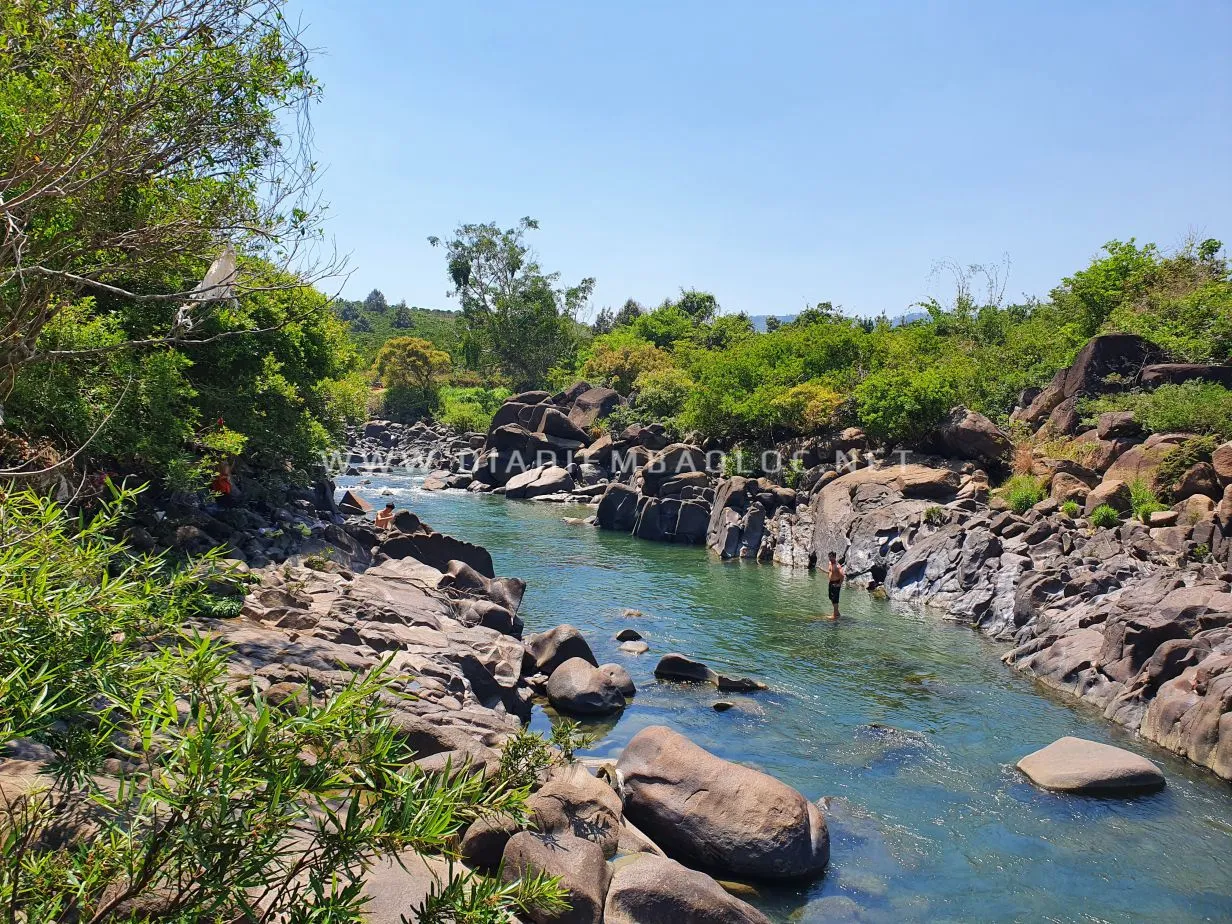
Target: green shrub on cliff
{"type": "Point", "coordinates": [1143, 499]}
{"type": "Point", "coordinates": [1191, 407]}
{"type": "Point", "coordinates": [1105, 517]}
{"type": "Point", "coordinates": [230, 807]}
{"type": "Point", "coordinates": [1180, 459]}
{"type": "Point", "coordinates": [1022, 492]}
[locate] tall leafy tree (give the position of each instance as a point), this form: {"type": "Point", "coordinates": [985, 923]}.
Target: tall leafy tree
{"type": "Point", "coordinates": [139, 140]}
{"type": "Point", "coordinates": [375, 301]}
{"type": "Point", "coordinates": [402, 317]}
{"type": "Point", "coordinates": [629, 312]}
{"type": "Point", "coordinates": [518, 318]}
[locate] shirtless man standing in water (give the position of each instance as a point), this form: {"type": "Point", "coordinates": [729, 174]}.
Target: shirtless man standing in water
{"type": "Point", "coordinates": [836, 582]}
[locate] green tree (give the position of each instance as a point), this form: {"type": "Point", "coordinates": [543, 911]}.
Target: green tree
{"type": "Point", "coordinates": [517, 318]}
{"type": "Point", "coordinates": [136, 138]}
{"type": "Point", "coordinates": [1093, 293]}
{"type": "Point", "coordinates": [629, 312]}
{"type": "Point", "coordinates": [410, 369]}
{"type": "Point", "coordinates": [375, 301]}
{"type": "Point", "coordinates": [410, 361]}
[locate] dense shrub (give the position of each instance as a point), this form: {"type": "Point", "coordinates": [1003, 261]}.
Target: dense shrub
{"type": "Point", "coordinates": [1071, 509]}
{"type": "Point", "coordinates": [288, 392]}
{"type": "Point", "coordinates": [617, 359]}
{"type": "Point", "coordinates": [1191, 407]}
{"type": "Point", "coordinates": [662, 393]}
{"type": "Point", "coordinates": [226, 796]}
{"type": "Point", "coordinates": [808, 408]}
{"type": "Point", "coordinates": [1022, 492]}
{"type": "Point", "coordinates": [1105, 517]}
{"type": "Point", "coordinates": [898, 406]}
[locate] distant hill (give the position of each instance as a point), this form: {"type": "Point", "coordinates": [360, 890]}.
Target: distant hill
{"type": "Point", "coordinates": [371, 323]}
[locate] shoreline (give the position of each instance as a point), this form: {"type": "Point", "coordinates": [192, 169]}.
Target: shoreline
{"type": "Point", "coordinates": [1118, 618]}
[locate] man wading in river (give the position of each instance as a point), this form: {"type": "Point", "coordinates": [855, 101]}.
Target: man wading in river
{"type": "Point", "coordinates": [836, 582]}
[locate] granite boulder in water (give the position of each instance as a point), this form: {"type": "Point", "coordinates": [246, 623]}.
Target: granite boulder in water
{"type": "Point", "coordinates": [718, 816]}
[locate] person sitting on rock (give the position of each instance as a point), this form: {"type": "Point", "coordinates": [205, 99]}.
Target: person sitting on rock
{"type": "Point", "coordinates": [837, 576]}
{"type": "Point", "coordinates": [385, 518]}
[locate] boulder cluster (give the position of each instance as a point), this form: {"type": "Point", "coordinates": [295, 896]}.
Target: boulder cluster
{"type": "Point", "coordinates": [638, 841]}
{"type": "Point", "coordinates": [1135, 617]}
{"type": "Point", "coordinates": [641, 840]}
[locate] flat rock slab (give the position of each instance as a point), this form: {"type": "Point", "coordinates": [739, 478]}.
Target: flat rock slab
{"type": "Point", "coordinates": [1080, 766]}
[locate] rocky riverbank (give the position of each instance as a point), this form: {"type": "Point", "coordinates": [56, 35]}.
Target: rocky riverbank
{"type": "Point", "coordinates": [462, 685]}
{"type": "Point", "coordinates": [1134, 618]}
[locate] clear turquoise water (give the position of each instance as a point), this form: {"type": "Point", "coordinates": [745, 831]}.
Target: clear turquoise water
{"type": "Point", "coordinates": [928, 823]}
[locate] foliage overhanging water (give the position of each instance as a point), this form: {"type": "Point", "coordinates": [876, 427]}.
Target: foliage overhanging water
{"type": "Point", "coordinates": [909, 722]}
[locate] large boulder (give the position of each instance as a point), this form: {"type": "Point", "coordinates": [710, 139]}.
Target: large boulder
{"type": "Point", "coordinates": [719, 816]}
{"type": "Point", "coordinates": [1142, 461]}
{"type": "Point", "coordinates": [1077, 765]}
{"type": "Point", "coordinates": [967, 434]}
{"type": "Point", "coordinates": [1108, 354]}
{"type": "Point", "coordinates": [566, 398]}
{"type": "Point", "coordinates": [577, 687]}
{"type": "Point", "coordinates": [667, 464]}
{"type": "Point", "coordinates": [580, 864]}
{"type": "Point", "coordinates": [1199, 479]}
{"type": "Point", "coordinates": [617, 508]}
{"type": "Point", "coordinates": [575, 801]}
{"type": "Point", "coordinates": [1113, 493]}
{"type": "Point", "coordinates": [353, 505]}
{"type": "Point", "coordinates": [547, 479]}
{"type": "Point", "coordinates": [438, 550]}
{"type": "Point", "coordinates": [555, 423]}
{"type": "Point", "coordinates": [655, 890]}
{"type": "Point", "coordinates": [546, 651]}
{"type": "Point", "coordinates": [1116, 425]}
{"type": "Point", "coordinates": [592, 405]}
{"type": "Point", "coordinates": [1175, 373]}
{"type": "Point", "coordinates": [1222, 460]}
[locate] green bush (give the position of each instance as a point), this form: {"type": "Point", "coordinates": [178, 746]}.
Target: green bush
{"type": "Point", "coordinates": [901, 407]}
{"type": "Point", "coordinates": [465, 417]}
{"type": "Point", "coordinates": [661, 393]}
{"type": "Point", "coordinates": [1144, 500]}
{"type": "Point", "coordinates": [1182, 458]}
{"type": "Point", "coordinates": [1105, 517]}
{"type": "Point", "coordinates": [409, 403]}
{"type": "Point", "coordinates": [934, 515]}
{"type": "Point", "coordinates": [225, 794]}
{"type": "Point", "coordinates": [1022, 492]}
{"type": "Point", "coordinates": [1071, 509]}
{"type": "Point", "coordinates": [1191, 407]}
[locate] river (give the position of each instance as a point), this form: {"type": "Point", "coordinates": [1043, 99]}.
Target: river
{"type": "Point", "coordinates": [907, 722]}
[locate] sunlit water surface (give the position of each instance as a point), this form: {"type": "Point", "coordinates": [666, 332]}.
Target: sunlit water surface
{"type": "Point", "coordinates": [909, 723]}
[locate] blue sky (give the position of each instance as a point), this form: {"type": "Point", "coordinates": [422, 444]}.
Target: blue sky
{"type": "Point", "coordinates": [772, 153]}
